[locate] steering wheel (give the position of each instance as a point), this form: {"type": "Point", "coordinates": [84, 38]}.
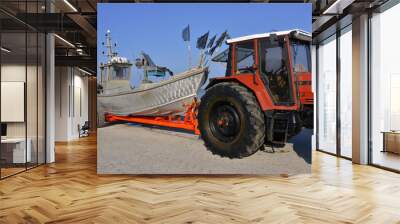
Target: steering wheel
{"type": "Point", "coordinates": [246, 69]}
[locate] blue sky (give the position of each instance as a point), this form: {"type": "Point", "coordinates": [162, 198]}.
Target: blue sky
{"type": "Point", "coordinates": [157, 28]}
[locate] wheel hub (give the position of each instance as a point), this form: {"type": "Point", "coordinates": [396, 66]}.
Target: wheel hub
{"type": "Point", "coordinates": [225, 122]}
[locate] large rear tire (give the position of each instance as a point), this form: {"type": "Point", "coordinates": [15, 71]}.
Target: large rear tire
{"type": "Point", "coordinates": [231, 122]}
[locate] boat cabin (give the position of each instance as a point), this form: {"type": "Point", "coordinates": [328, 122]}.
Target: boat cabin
{"type": "Point", "coordinates": [116, 73]}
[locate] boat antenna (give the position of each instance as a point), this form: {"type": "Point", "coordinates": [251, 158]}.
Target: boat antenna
{"type": "Point", "coordinates": [109, 46]}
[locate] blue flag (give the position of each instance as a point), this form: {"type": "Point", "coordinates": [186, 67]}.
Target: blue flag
{"type": "Point", "coordinates": [202, 41]}
{"type": "Point", "coordinates": [219, 42]}
{"type": "Point", "coordinates": [186, 33]}
{"type": "Point", "coordinates": [211, 41]}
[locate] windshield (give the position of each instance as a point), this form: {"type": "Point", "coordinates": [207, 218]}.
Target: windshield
{"type": "Point", "coordinates": [301, 57]}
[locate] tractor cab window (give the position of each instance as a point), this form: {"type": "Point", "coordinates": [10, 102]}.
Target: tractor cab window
{"type": "Point", "coordinates": [245, 57]}
{"type": "Point", "coordinates": [301, 57]}
{"type": "Point", "coordinates": [274, 70]}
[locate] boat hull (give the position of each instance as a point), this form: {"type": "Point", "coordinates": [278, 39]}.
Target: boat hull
{"type": "Point", "coordinates": [154, 99]}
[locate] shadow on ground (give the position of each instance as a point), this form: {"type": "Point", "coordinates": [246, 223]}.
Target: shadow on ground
{"type": "Point", "coordinates": [302, 144]}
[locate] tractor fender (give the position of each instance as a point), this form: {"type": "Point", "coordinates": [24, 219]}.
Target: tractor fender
{"type": "Point", "coordinates": [213, 81]}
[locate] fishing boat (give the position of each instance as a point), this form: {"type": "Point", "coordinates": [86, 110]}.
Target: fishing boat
{"type": "Point", "coordinates": [169, 96]}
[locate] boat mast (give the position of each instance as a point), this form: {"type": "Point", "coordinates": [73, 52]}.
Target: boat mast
{"type": "Point", "coordinates": [109, 46]}
{"type": "Point", "coordinates": [110, 54]}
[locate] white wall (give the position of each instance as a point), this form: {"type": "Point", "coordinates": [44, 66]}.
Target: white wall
{"type": "Point", "coordinates": [71, 87]}
{"type": "Point", "coordinates": [14, 72]}
{"type": "Point", "coordinates": [33, 126]}
{"type": "Point", "coordinates": [61, 103]}
{"type": "Point", "coordinates": [17, 72]}
{"type": "Point", "coordinates": [80, 110]}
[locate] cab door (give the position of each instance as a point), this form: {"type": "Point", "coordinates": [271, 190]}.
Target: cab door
{"type": "Point", "coordinates": [275, 70]}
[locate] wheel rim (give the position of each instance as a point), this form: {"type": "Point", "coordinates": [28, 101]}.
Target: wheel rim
{"type": "Point", "coordinates": [224, 122]}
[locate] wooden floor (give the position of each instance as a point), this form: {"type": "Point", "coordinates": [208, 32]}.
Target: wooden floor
{"type": "Point", "coordinates": [5, 172]}
{"type": "Point", "coordinates": [69, 191]}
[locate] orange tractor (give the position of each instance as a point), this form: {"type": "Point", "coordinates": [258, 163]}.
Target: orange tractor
{"type": "Point", "coordinates": [265, 96]}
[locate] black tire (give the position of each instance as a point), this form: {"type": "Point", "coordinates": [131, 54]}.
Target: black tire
{"type": "Point", "coordinates": [231, 122]}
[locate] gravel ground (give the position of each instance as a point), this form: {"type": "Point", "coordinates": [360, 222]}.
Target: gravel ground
{"type": "Point", "coordinates": [132, 149]}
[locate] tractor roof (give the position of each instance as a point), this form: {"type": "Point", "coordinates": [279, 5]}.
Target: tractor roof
{"type": "Point", "coordinates": [296, 33]}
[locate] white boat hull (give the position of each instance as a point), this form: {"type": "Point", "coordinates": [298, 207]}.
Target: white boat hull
{"type": "Point", "coordinates": [153, 99]}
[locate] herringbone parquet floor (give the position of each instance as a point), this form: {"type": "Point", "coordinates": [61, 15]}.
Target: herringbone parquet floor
{"type": "Point", "coordinates": [69, 191]}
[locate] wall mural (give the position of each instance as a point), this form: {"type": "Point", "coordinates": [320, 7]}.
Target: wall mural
{"type": "Point", "coordinates": [196, 89]}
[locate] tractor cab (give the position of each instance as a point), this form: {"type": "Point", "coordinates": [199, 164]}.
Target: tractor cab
{"type": "Point", "coordinates": [265, 96]}
{"type": "Point", "coordinates": [281, 61]}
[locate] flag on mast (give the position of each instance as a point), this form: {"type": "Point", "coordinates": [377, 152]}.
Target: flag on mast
{"type": "Point", "coordinates": [202, 41]}
{"type": "Point", "coordinates": [186, 38]}
{"type": "Point", "coordinates": [221, 39]}
{"type": "Point", "coordinates": [211, 41]}
{"type": "Point", "coordinates": [219, 42]}
{"type": "Point", "coordinates": [186, 33]}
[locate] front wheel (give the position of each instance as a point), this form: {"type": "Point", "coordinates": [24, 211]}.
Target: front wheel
{"type": "Point", "coordinates": [231, 122]}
